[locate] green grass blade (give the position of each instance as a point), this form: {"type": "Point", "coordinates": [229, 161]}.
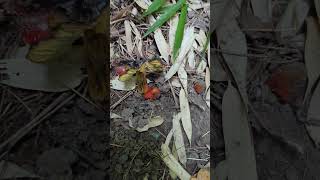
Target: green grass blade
{"type": "Point", "coordinates": [165, 17]}
{"type": "Point", "coordinates": [163, 9]}
{"type": "Point", "coordinates": [180, 31]}
{"type": "Point", "coordinates": [156, 4]}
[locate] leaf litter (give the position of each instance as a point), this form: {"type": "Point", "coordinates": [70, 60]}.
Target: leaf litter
{"type": "Point", "coordinates": [276, 96]}
{"type": "Point", "coordinates": [168, 33]}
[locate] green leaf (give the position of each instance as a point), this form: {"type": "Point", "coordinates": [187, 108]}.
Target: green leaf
{"type": "Point", "coordinates": [164, 9]}
{"type": "Point", "coordinates": [180, 31]}
{"type": "Point", "coordinates": [165, 17]}
{"type": "Point", "coordinates": [156, 4]}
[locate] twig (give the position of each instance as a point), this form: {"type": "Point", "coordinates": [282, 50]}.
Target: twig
{"type": "Point", "coordinates": [52, 108]}
{"type": "Point", "coordinates": [116, 145]}
{"type": "Point", "coordinates": [132, 162]}
{"type": "Point", "coordinates": [174, 95]}
{"type": "Point", "coordinates": [21, 101]}
{"type": "Point", "coordinates": [120, 100]}
{"type": "Point", "coordinates": [86, 99]}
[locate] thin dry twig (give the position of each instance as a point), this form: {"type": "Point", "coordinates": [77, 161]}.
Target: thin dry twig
{"type": "Point", "coordinates": [52, 108]}
{"type": "Point", "coordinates": [120, 100]}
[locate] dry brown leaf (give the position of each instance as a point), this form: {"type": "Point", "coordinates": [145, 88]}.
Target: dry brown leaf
{"type": "Point", "coordinates": [128, 37]}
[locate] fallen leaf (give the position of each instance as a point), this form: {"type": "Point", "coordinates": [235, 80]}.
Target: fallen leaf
{"type": "Point", "coordinates": [165, 17]}
{"type": "Point", "coordinates": [156, 5]}
{"type": "Point", "coordinates": [313, 117]}
{"type": "Point", "coordinates": [173, 23]}
{"type": "Point", "coordinates": [312, 54]}
{"type": "Point", "coordinates": [123, 86]}
{"type": "Point", "coordinates": [222, 11]}
{"type": "Point", "coordinates": [161, 43]}
{"type": "Point", "coordinates": [221, 171]}
{"type": "Point", "coordinates": [54, 49]}
{"type": "Point", "coordinates": [153, 122]}
{"type": "Point", "coordinates": [12, 171]}
{"type": "Point", "coordinates": [185, 114]}
{"type": "Point", "coordinates": [203, 174]}
{"type": "Point", "coordinates": [202, 66]}
{"type": "Point", "coordinates": [218, 73]}
{"type": "Point", "coordinates": [128, 37]}
{"type": "Point", "coordinates": [170, 161]}
{"type": "Point", "coordinates": [262, 9]}
{"type": "Point", "coordinates": [232, 39]}
{"type": "Point", "coordinates": [292, 19]}
{"type": "Point", "coordinates": [207, 80]}
{"type": "Point", "coordinates": [187, 43]}
{"type": "Point", "coordinates": [237, 136]}
{"type": "Point", "coordinates": [179, 32]}
{"type": "Point", "coordinates": [178, 139]}
{"type": "Point", "coordinates": [175, 155]}
{"type": "Point", "coordinates": [183, 76]}
{"type": "Point", "coordinates": [317, 5]}
{"type": "Point", "coordinates": [191, 59]}
{"type": "Point", "coordinates": [142, 3]}
{"type": "Point", "coordinates": [115, 116]}
{"type": "Point", "coordinates": [138, 37]}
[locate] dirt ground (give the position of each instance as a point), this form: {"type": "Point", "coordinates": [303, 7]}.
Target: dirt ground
{"type": "Point", "coordinates": [136, 154]}
{"type": "Point", "coordinates": [70, 144]}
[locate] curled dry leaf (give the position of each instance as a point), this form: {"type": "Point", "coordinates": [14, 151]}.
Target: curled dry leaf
{"type": "Point", "coordinates": [123, 85]}
{"type": "Point", "coordinates": [128, 37]}
{"type": "Point", "coordinates": [153, 122]}
{"type": "Point", "coordinates": [161, 42]}
{"type": "Point", "coordinates": [185, 114]}
{"type": "Point", "coordinates": [178, 139]}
